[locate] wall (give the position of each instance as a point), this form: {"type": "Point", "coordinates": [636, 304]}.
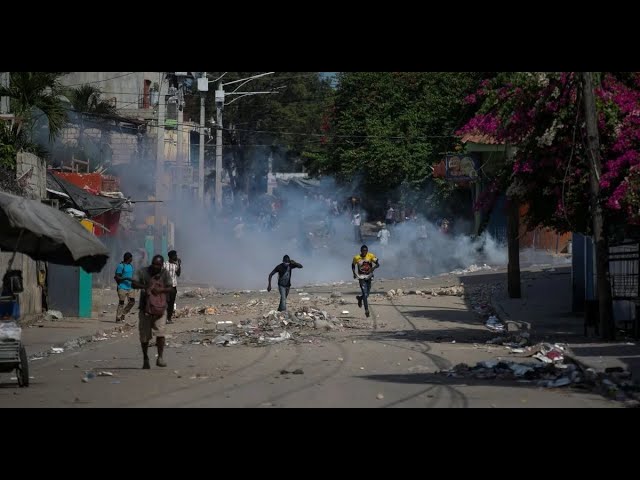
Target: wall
{"type": "Point", "coordinates": [126, 87]}
{"type": "Point", "coordinates": [123, 143]}
{"type": "Point", "coordinates": [33, 172]}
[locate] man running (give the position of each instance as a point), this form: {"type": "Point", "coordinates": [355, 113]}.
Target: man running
{"type": "Point", "coordinates": [123, 277]}
{"type": "Point", "coordinates": [284, 280]}
{"type": "Point", "coordinates": [366, 263]}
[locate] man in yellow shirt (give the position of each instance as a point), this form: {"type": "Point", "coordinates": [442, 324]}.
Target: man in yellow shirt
{"type": "Point", "coordinates": [366, 263]}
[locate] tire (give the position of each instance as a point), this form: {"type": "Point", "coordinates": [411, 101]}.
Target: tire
{"type": "Point", "coordinates": [23, 369]}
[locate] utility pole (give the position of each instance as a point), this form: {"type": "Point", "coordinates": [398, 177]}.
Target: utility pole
{"type": "Point", "coordinates": [4, 101]}
{"type": "Point", "coordinates": [220, 96]}
{"type": "Point", "coordinates": [162, 100]}
{"type": "Point", "coordinates": [179, 127]}
{"type": "Point", "coordinates": [513, 242]}
{"type": "Point", "coordinates": [203, 87]}
{"type": "Point", "coordinates": [219, 106]}
{"type": "Point", "coordinates": [605, 303]}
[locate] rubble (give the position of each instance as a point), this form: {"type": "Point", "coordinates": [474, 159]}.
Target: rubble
{"type": "Point", "coordinates": [549, 376]}
{"type": "Point", "coordinates": [453, 291]}
{"type": "Point", "coordinates": [53, 315]}
{"type": "Point", "coordinates": [517, 340]}
{"type": "Point", "coordinates": [268, 328]}
{"type": "Point", "coordinates": [200, 293]}
{"type": "Point", "coordinates": [493, 323]}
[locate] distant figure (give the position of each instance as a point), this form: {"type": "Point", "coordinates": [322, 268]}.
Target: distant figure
{"type": "Point", "coordinates": [174, 268]}
{"type": "Point", "coordinates": [390, 216]}
{"type": "Point", "coordinates": [284, 280]}
{"type": "Point", "coordinates": [445, 226]}
{"type": "Point", "coordinates": [422, 232]}
{"type": "Point", "coordinates": [384, 235]}
{"type": "Point", "coordinates": [123, 277]}
{"type": "Point", "coordinates": [356, 222]}
{"type": "Point", "coordinates": [366, 263]}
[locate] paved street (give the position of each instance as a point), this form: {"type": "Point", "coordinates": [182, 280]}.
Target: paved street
{"type": "Point", "coordinates": [391, 364]}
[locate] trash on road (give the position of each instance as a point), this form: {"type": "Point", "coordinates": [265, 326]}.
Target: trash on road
{"type": "Point", "coordinates": [52, 315]}
{"type": "Point", "coordinates": [493, 323]}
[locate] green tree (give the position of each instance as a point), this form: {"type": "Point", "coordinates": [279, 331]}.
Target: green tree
{"type": "Point", "coordinates": [86, 102]}
{"type": "Point", "coordinates": [285, 124]}
{"type": "Point", "coordinates": [387, 129]}
{"type": "Point", "coordinates": [33, 95]}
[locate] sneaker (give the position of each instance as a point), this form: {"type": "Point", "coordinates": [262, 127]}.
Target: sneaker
{"type": "Point", "coordinates": [366, 312]}
{"type": "Point", "coordinates": [160, 362]}
{"type": "Point", "coordinates": [359, 301]}
{"type": "Point", "coordinates": [145, 364]}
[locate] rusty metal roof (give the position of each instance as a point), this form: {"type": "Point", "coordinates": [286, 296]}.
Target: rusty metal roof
{"type": "Point", "coordinates": [481, 139]}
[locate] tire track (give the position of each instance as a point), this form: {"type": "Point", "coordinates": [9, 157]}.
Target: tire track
{"type": "Point", "coordinates": [323, 378]}
{"type": "Point", "coordinates": [456, 398]}
{"type": "Point", "coordinates": [261, 358]}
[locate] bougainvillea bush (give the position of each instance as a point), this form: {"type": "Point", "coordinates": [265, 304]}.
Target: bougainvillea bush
{"type": "Point", "coordinates": [542, 115]}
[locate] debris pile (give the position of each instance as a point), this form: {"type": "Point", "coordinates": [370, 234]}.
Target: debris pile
{"type": "Point", "coordinates": [453, 291]}
{"type": "Point", "coordinates": [494, 323]}
{"type": "Point", "coordinates": [272, 327]}
{"type": "Point", "coordinates": [516, 340]}
{"type": "Point", "coordinates": [200, 293]}
{"type": "Point", "coordinates": [544, 375]}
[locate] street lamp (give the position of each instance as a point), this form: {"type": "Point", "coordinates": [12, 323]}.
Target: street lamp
{"type": "Point", "coordinates": [220, 97]}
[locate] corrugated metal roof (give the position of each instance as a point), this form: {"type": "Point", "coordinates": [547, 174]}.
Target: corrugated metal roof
{"type": "Point", "coordinates": [480, 138]}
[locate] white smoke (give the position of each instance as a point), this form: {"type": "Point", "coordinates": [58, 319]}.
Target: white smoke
{"type": "Point", "coordinates": [238, 251]}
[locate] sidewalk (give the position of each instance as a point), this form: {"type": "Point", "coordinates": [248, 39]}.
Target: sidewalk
{"type": "Point", "coordinates": [545, 309]}
{"type": "Point", "coordinates": [72, 332]}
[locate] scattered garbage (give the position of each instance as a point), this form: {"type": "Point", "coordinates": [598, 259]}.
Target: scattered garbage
{"type": "Point", "coordinates": [297, 371]}
{"type": "Point", "coordinates": [516, 340]}
{"type": "Point", "coordinates": [547, 374]}
{"type": "Point", "coordinates": [52, 315]}
{"type": "Point", "coordinates": [105, 374]}
{"type": "Point", "coordinates": [380, 396]}
{"type": "Point", "coordinates": [57, 350]}
{"type": "Point", "coordinates": [453, 291]}
{"type": "Point", "coordinates": [493, 323]}
{"type": "Point", "coordinates": [548, 353]}
{"type": "Point", "coordinates": [200, 293]}
{"type": "Point", "coordinates": [471, 269]}
{"type": "Point", "coordinates": [10, 331]}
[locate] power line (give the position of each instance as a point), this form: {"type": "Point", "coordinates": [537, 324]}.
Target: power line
{"type": "Point", "coordinates": [100, 81]}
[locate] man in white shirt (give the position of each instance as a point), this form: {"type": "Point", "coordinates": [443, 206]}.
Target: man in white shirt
{"type": "Point", "coordinates": [173, 267]}
{"type": "Point", "coordinates": [384, 235]}
{"type": "Point", "coordinates": [357, 220]}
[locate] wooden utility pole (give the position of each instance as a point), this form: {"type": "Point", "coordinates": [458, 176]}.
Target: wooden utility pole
{"type": "Point", "coordinates": [607, 324]}
{"type": "Point", "coordinates": [513, 242]}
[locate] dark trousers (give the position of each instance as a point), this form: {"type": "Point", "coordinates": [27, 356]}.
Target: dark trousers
{"type": "Point", "coordinates": [171, 301]}
{"type": "Point", "coordinates": [284, 293]}
{"type": "Point", "coordinates": [365, 288]}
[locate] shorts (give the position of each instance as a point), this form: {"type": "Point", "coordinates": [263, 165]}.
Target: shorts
{"type": "Point", "coordinates": [151, 326]}
{"type": "Point", "coordinates": [124, 295]}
